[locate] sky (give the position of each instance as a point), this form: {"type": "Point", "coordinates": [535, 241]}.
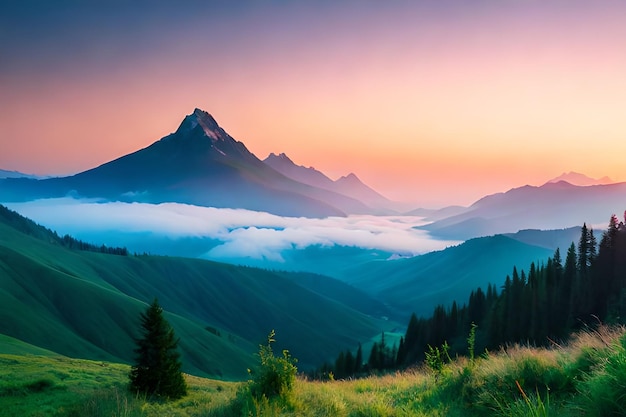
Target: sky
{"type": "Point", "coordinates": [436, 102]}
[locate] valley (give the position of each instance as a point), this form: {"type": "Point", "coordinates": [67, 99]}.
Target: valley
{"type": "Point", "coordinates": [85, 305]}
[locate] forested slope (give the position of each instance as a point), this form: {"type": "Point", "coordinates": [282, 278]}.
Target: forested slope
{"type": "Point", "coordinates": [87, 304]}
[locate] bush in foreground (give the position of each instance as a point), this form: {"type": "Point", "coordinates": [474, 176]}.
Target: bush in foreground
{"type": "Point", "coordinates": [270, 391]}
{"type": "Point", "coordinates": [275, 376]}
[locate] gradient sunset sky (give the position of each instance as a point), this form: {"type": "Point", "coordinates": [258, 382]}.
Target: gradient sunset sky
{"type": "Point", "coordinates": [437, 102]}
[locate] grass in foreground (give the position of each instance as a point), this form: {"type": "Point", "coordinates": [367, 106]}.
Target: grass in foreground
{"type": "Point", "coordinates": [585, 378]}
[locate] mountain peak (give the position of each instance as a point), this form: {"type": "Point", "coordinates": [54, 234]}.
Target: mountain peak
{"type": "Point", "coordinates": [206, 122]}
{"type": "Point", "coordinates": [199, 133]}
{"type": "Point", "coordinates": [577, 178]}
{"type": "Point", "coordinates": [350, 178]}
{"type": "Point", "coordinates": [282, 157]}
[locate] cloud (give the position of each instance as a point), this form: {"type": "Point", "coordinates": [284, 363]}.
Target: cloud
{"type": "Point", "coordinates": [242, 233]}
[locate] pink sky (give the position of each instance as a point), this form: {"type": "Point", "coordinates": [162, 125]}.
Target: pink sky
{"type": "Point", "coordinates": [432, 102]}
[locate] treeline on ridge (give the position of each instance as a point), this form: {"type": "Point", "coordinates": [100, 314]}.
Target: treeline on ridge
{"type": "Point", "coordinates": [540, 307]}
{"type": "Point", "coordinates": [31, 228]}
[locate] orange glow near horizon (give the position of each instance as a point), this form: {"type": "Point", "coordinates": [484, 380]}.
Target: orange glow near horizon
{"type": "Point", "coordinates": [442, 111]}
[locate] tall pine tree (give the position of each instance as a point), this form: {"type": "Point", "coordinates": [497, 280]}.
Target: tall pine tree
{"type": "Point", "coordinates": [358, 360]}
{"type": "Point", "coordinates": [157, 371]}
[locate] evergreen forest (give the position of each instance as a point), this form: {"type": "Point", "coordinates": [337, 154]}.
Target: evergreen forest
{"type": "Point", "coordinates": [541, 306]}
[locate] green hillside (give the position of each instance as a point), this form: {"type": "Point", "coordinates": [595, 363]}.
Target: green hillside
{"type": "Point", "coordinates": [12, 346]}
{"type": "Point", "coordinates": [87, 305]}
{"type": "Point", "coordinates": [420, 283]}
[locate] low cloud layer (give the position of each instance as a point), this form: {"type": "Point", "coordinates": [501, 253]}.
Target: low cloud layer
{"type": "Point", "coordinates": [242, 233]}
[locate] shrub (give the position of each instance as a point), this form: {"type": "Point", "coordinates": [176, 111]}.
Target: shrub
{"type": "Point", "coordinates": [269, 390]}
{"type": "Point", "coordinates": [275, 376]}
{"type": "Point", "coordinates": [471, 342]}
{"type": "Point", "coordinates": [437, 357]}
{"type": "Point", "coordinates": [40, 385]}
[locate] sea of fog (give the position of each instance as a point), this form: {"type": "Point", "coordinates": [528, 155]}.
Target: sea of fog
{"type": "Point", "coordinates": [226, 233]}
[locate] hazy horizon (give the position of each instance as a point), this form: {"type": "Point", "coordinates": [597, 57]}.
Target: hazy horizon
{"type": "Point", "coordinates": [433, 102]}
{"type": "Point", "coordinates": [239, 233]}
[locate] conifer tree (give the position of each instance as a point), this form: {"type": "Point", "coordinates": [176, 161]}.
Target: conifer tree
{"type": "Point", "coordinates": [476, 306]}
{"type": "Point", "coordinates": [583, 250]}
{"type": "Point", "coordinates": [607, 260]}
{"type": "Point", "coordinates": [411, 340]}
{"type": "Point", "coordinates": [401, 354]}
{"type": "Point", "coordinates": [374, 359]}
{"type": "Point", "coordinates": [157, 371]}
{"type": "Point", "coordinates": [382, 352]}
{"type": "Point", "coordinates": [570, 272]}
{"type": "Point", "coordinates": [593, 244]}
{"type": "Point", "coordinates": [349, 363]}
{"type": "Point", "coordinates": [340, 366]}
{"type": "Point", "coordinates": [358, 360]}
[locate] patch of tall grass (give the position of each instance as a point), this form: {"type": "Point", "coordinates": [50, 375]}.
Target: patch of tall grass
{"type": "Point", "coordinates": [603, 391]}
{"type": "Point", "coordinates": [586, 377]}
{"type": "Point", "coordinates": [116, 402]}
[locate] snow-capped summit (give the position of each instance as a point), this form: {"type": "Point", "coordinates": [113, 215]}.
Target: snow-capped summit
{"type": "Point", "coordinates": [206, 122]}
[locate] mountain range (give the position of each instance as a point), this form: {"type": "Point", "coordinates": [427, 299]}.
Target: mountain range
{"type": "Point", "coordinates": [349, 185]}
{"type": "Point", "coordinates": [15, 174]}
{"type": "Point", "coordinates": [576, 178]}
{"type": "Point", "coordinates": [203, 165]}
{"type": "Point", "coordinates": [554, 205]}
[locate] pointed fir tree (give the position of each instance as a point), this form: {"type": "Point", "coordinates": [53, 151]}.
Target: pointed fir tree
{"type": "Point", "coordinates": [411, 340]}
{"type": "Point", "coordinates": [340, 366]}
{"type": "Point", "coordinates": [401, 355]}
{"type": "Point", "coordinates": [157, 371]}
{"type": "Point", "coordinates": [605, 278]}
{"type": "Point", "coordinates": [349, 367]}
{"type": "Point", "coordinates": [374, 359]}
{"type": "Point", "coordinates": [382, 352]}
{"type": "Point", "coordinates": [583, 250]}
{"type": "Point", "coordinates": [592, 247]}
{"type": "Point", "coordinates": [570, 272]}
{"type": "Point", "coordinates": [358, 360]}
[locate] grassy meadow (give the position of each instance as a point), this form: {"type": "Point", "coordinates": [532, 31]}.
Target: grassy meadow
{"type": "Point", "coordinates": [586, 377]}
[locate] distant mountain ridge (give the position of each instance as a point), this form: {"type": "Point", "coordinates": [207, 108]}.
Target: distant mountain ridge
{"type": "Point", "coordinates": [576, 178]}
{"type": "Point", "coordinates": [349, 185]}
{"type": "Point", "coordinates": [15, 174]}
{"type": "Point", "coordinates": [553, 205]}
{"type": "Point", "coordinates": [283, 164]}
{"type": "Point", "coordinates": [201, 164]}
